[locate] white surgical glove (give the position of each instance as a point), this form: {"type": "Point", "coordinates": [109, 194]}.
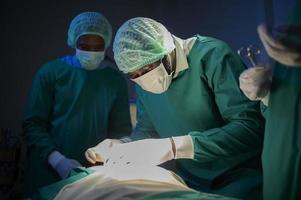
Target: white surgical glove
{"type": "Point", "coordinates": [285, 50]}
{"type": "Point", "coordinates": [255, 83]}
{"type": "Point", "coordinates": [96, 154]}
{"type": "Point", "coordinates": [149, 151]}
{"type": "Point", "coordinates": [61, 164]}
{"type": "Point", "coordinates": [141, 152]}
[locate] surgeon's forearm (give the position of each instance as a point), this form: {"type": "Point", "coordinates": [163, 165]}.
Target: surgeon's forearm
{"type": "Point", "coordinates": [232, 140]}
{"type": "Point", "coordinates": [37, 137]}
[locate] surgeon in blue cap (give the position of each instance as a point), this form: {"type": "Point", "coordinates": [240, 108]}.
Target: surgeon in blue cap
{"type": "Point", "coordinates": [75, 102]}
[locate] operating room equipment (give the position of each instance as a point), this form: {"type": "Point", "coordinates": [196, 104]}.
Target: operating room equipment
{"type": "Point", "coordinates": [250, 53]}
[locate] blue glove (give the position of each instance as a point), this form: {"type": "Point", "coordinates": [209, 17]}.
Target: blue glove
{"type": "Point", "coordinates": [61, 164]}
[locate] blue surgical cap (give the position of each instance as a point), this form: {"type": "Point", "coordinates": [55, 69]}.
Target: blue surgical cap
{"type": "Point", "coordinates": [92, 23]}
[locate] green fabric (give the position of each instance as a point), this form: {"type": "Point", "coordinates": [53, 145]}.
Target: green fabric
{"type": "Point", "coordinates": [70, 109]}
{"type": "Point", "coordinates": [205, 101]}
{"type": "Point", "coordinates": [282, 144]}
{"type": "Point", "coordinates": [184, 195]}
{"type": "Point", "coordinates": [50, 191]}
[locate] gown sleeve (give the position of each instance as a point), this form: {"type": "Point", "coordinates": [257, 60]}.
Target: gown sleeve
{"type": "Point", "coordinates": [38, 111]}
{"type": "Point", "coordinates": [242, 135]}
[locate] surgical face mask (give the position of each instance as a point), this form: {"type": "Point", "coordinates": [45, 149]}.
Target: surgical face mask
{"type": "Point", "coordinates": [90, 59]}
{"type": "Point", "coordinates": [156, 81]}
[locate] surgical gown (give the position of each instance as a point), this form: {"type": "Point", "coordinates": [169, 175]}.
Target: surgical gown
{"type": "Point", "coordinates": [69, 110]}
{"type": "Point", "coordinates": [205, 102]}
{"type": "Point", "coordinates": [282, 144]}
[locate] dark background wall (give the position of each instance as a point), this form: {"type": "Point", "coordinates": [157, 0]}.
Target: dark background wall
{"type": "Point", "coordinates": [33, 33]}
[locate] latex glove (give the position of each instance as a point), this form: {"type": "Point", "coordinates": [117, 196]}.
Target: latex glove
{"type": "Point", "coordinates": [255, 83]}
{"type": "Point", "coordinates": [61, 164]}
{"type": "Point", "coordinates": [96, 154]}
{"type": "Point", "coordinates": [141, 152]}
{"type": "Point", "coordinates": [286, 49]}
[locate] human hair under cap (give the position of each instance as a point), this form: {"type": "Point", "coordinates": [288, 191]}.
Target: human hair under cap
{"type": "Point", "coordinates": [89, 23]}
{"type": "Point", "coordinates": [141, 41]}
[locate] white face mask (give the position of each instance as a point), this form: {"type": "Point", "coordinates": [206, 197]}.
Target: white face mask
{"type": "Point", "coordinates": [90, 59]}
{"type": "Point", "coordinates": [155, 81]}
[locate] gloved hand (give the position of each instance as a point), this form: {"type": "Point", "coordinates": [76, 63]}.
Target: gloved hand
{"type": "Point", "coordinates": [96, 154]}
{"type": "Point", "coordinates": [286, 49]}
{"type": "Point", "coordinates": [141, 152]}
{"type": "Point", "coordinates": [255, 83]}
{"type": "Point", "coordinates": [61, 164]}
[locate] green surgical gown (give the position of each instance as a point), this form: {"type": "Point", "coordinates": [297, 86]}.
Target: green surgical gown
{"type": "Point", "coordinates": [205, 102]}
{"type": "Point", "coordinates": [69, 110]}
{"type": "Point", "coordinates": [282, 142]}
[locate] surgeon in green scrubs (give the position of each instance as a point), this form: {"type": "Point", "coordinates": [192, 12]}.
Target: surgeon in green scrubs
{"type": "Point", "coordinates": [189, 108]}
{"type": "Point", "coordinates": [75, 102]}
{"type": "Point", "coordinates": [282, 143]}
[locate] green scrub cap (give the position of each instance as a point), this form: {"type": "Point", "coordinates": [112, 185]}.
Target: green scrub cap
{"type": "Point", "coordinates": [139, 42]}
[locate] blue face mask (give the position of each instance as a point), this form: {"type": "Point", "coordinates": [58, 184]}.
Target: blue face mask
{"type": "Point", "coordinates": [90, 60]}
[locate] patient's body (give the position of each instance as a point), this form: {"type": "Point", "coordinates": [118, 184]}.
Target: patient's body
{"type": "Point", "coordinates": [130, 182]}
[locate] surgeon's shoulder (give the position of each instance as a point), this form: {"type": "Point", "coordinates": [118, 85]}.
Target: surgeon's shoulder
{"type": "Point", "coordinates": [216, 55]}
{"type": "Point", "coordinates": [210, 45]}
{"type": "Point", "coordinates": [50, 68]}
{"type": "Point", "coordinates": [113, 74]}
